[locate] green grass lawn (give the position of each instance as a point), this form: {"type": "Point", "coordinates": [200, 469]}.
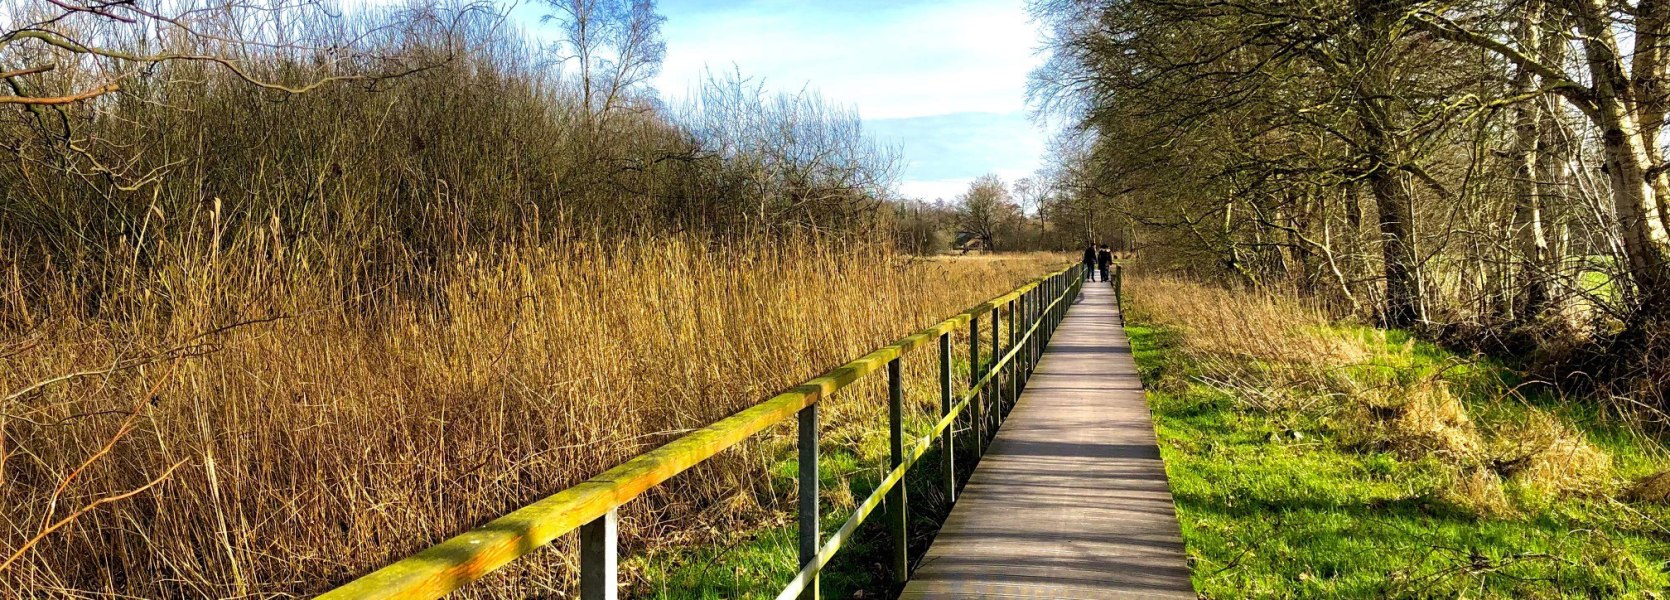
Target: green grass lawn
{"type": "Point", "coordinates": [1288, 503]}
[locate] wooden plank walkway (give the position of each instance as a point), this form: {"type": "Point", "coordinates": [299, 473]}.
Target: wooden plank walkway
{"type": "Point", "coordinates": [1071, 499]}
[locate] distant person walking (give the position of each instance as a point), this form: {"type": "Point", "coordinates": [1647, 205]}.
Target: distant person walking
{"type": "Point", "coordinates": [1104, 259]}
{"type": "Point", "coordinates": [1090, 260]}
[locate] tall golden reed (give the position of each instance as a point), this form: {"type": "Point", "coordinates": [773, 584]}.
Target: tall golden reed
{"type": "Point", "coordinates": [317, 430]}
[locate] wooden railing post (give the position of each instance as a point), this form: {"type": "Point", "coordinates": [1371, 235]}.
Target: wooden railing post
{"type": "Point", "coordinates": [1017, 320]}
{"type": "Point", "coordinates": [896, 511]}
{"type": "Point", "coordinates": [1031, 325]}
{"type": "Point", "coordinates": [1045, 309]}
{"type": "Point", "coordinates": [810, 525]}
{"type": "Point", "coordinates": [1023, 357]}
{"type": "Point", "coordinates": [974, 421]}
{"type": "Point", "coordinates": [1034, 304]}
{"type": "Point", "coordinates": [995, 400]}
{"type": "Point", "coordinates": [1061, 284]}
{"type": "Point", "coordinates": [1057, 313]}
{"type": "Point", "coordinates": [1042, 311]}
{"type": "Point", "coordinates": [1049, 313]}
{"type": "Point", "coordinates": [1061, 310]}
{"type": "Point", "coordinates": [1057, 291]}
{"type": "Point", "coordinates": [1118, 290]}
{"type": "Point", "coordinates": [599, 558]}
{"type": "Point", "coordinates": [947, 441]}
{"type": "Point", "coordinates": [1067, 288]}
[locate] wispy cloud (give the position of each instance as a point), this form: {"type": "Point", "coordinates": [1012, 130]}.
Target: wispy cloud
{"type": "Point", "coordinates": [943, 152]}
{"type": "Point", "coordinates": [891, 59]}
{"type": "Point", "coordinates": [945, 81]}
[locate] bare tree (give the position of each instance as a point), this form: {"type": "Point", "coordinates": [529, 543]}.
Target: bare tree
{"type": "Point", "coordinates": [790, 157]}
{"type": "Point", "coordinates": [71, 51]}
{"type": "Point", "coordinates": [985, 210]}
{"type": "Point", "coordinates": [616, 45]}
{"type": "Point", "coordinates": [1030, 194]}
{"type": "Point", "coordinates": [68, 61]}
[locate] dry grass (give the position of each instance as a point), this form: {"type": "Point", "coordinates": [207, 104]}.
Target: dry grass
{"type": "Point", "coordinates": [1548, 456]}
{"type": "Point", "coordinates": [1479, 490]}
{"type": "Point", "coordinates": [1652, 488]}
{"type": "Point", "coordinates": [1223, 323]}
{"type": "Point", "coordinates": [336, 327]}
{"type": "Point", "coordinates": [321, 429]}
{"type": "Point", "coordinates": [1418, 420]}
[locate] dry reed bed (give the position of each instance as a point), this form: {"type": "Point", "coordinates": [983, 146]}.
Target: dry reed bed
{"type": "Point", "coordinates": [1272, 353]}
{"type": "Point", "coordinates": [310, 442]}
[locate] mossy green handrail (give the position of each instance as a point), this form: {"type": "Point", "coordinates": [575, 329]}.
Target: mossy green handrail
{"type": "Point", "coordinates": [591, 505]}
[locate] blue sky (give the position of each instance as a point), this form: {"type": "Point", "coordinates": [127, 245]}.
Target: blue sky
{"type": "Point", "coordinates": [944, 81]}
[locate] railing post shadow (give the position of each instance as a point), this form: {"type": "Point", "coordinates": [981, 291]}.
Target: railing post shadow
{"type": "Point", "coordinates": [599, 558]}
{"type": "Point", "coordinates": [897, 516]}
{"type": "Point", "coordinates": [810, 525]}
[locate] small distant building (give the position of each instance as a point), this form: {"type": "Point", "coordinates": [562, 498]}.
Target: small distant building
{"type": "Point", "coordinates": [966, 242]}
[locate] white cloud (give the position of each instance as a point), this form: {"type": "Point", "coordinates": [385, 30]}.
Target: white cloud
{"type": "Point", "coordinates": [893, 61]}
{"type": "Point", "coordinates": [943, 80]}
{"type": "Point", "coordinates": [961, 146]}
{"type": "Point", "coordinates": [933, 189]}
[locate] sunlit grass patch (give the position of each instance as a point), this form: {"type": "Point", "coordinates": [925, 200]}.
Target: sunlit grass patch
{"type": "Point", "coordinates": [1417, 473]}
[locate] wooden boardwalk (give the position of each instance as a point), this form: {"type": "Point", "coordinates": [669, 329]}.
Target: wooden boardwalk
{"type": "Point", "coordinates": [1071, 500]}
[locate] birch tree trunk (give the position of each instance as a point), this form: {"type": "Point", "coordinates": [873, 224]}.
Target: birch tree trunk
{"type": "Point", "coordinates": [1529, 239]}
{"type": "Point", "coordinates": [1629, 155]}
{"type": "Point", "coordinates": [1647, 90]}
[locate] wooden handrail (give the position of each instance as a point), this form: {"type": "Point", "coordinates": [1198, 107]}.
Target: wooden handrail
{"type": "Point", "coordinates": [469, 556]}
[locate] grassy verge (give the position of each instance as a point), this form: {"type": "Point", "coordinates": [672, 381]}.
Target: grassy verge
{"type": "Point", "coordinates": [1316, 460]}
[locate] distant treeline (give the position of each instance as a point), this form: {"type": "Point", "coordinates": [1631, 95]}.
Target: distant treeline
{"type": "Point", "coordinates": [1046, 211]}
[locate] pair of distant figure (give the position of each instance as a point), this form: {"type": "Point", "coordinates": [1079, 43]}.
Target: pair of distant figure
{"type": "Point", "coordinates": [1099, 258]}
